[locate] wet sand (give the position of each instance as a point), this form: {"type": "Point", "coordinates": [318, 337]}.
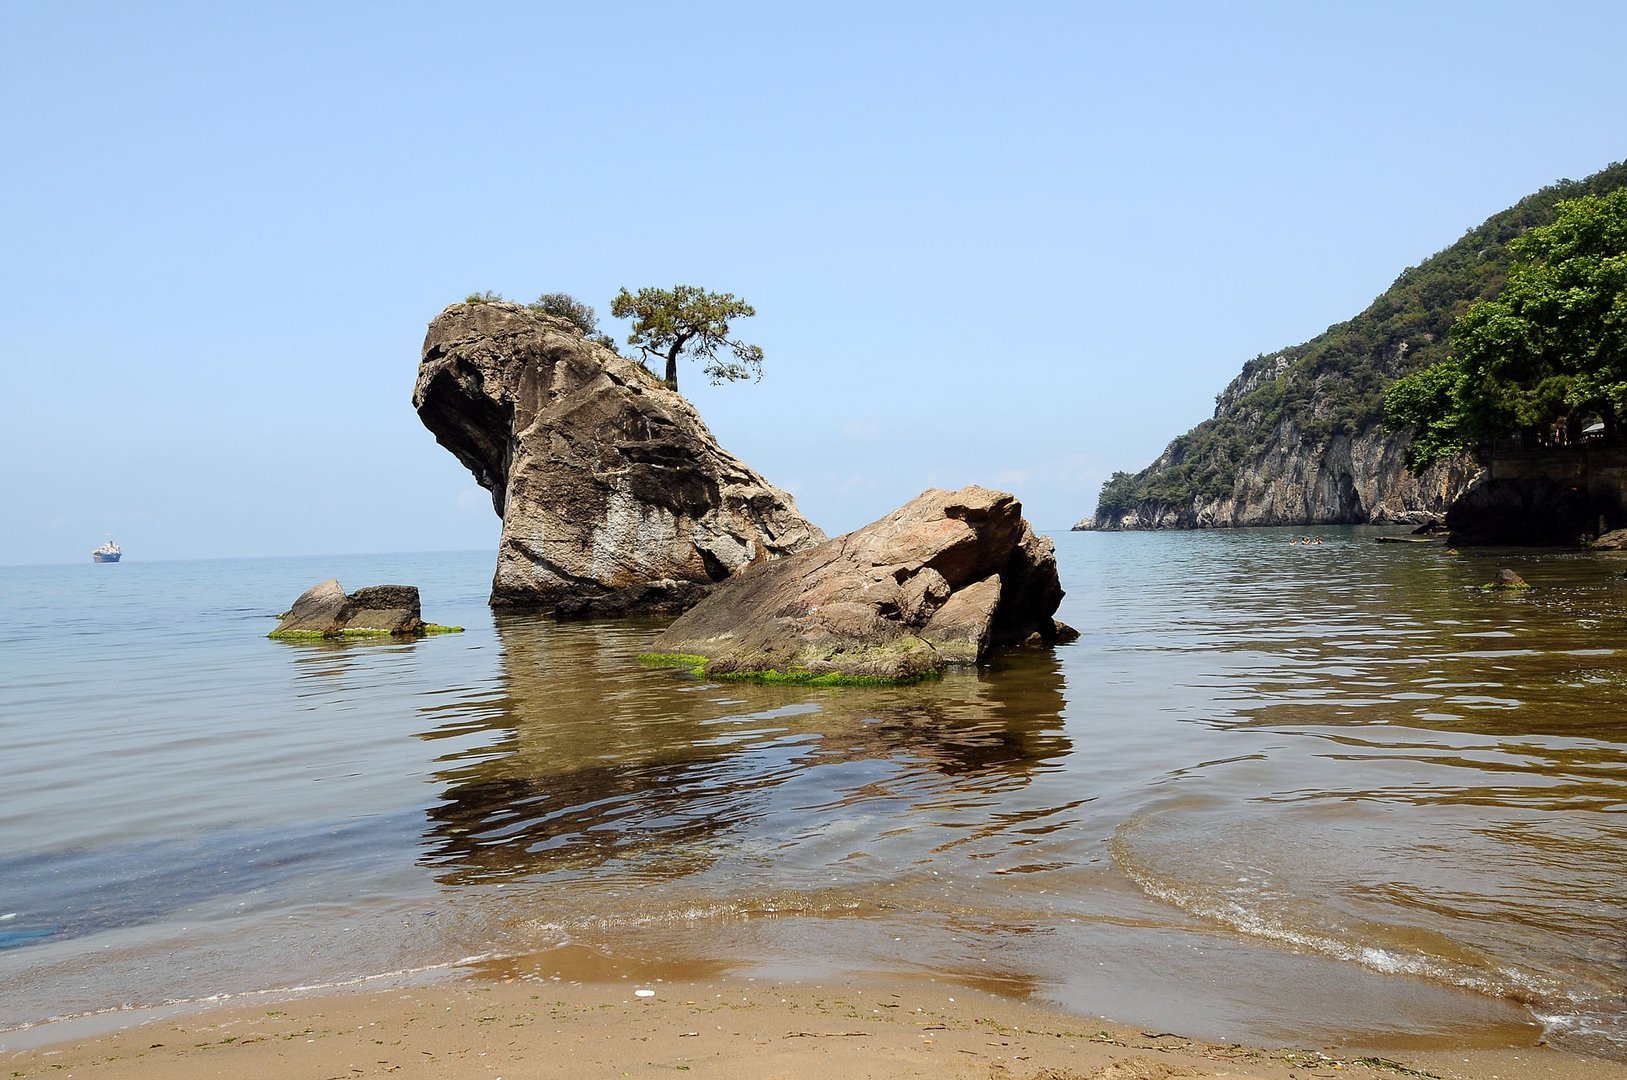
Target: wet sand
{"type": "Point", "coordinates": [725, 1028]}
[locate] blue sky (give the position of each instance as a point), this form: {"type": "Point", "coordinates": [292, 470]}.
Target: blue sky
{"type": "Point", "coordinates": [1021, 245]}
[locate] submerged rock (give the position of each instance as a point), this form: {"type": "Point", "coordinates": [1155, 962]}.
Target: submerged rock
{"type": "Point", "coordinates": [324, 610]}
{"type": "Point", "coordinates": [614, 496]}
{"type": "Point", "coordinates": [1506, 579]}
{"type": "Point", "coordinates": [943, 579]}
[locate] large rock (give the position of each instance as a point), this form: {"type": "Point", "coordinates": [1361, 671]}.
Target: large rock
{"type": "Point", "coordinates": [614, 496]}
{"type": "Point", "coordinates": [941, 580]}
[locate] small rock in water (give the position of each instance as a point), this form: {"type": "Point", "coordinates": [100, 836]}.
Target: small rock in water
{"type": "Point", "coordinates": [326, 611]}
{"type": "Point", "coordinates": [1506, 579]}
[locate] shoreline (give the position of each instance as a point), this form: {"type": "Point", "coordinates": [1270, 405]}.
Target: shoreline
{"type": "Point", "coordinates": [729, 1026]}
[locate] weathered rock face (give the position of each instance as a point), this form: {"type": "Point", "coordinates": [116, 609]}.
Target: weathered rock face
{"type": "Point", "coordinates": [614, 496]}
{"type": "Point", "coordinates": [324, 610]}
{"type": "Point", "coordinates": [941, 580]}
{"type": "Point", "coordinates": [1349, 481]}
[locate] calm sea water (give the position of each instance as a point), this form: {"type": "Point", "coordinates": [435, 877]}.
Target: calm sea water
{"type": "Point", "coordinates": [1282, 794]}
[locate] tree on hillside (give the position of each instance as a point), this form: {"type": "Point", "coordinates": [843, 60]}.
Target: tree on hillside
{"type": "Point", "coordinates": [1430, 402]}
{"type": "Point", "coordinates": [1548, 353]}
{"type": "Point", "coordinates": [1117, 497]}
{"type": "Point", "coordinates": [569, 308]}
{"type": "Point", "coordinates": [687, 320]}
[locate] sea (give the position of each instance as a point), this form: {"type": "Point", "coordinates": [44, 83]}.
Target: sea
{"type": "Point", "coordinates": [1288, 794]}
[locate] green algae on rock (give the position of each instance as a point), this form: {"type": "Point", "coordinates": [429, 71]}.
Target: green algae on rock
{"type": "Point", "coordinates": [773, 676]}
{"type": "Point", "coordinates": [696, 664]}
{"type": "Point", "coordinates": [317, 635]}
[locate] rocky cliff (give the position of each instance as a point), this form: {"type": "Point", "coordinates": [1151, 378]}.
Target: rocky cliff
{"type": "Point", "coordinates": [1345, 480]}
{"type": "Point", "coordinates": [614, 496]}
{"type": "Point", "coordinates": [1298, 438]}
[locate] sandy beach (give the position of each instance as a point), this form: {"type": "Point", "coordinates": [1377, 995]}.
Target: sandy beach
{"type": "Point", "coordinates": [721, 1028]}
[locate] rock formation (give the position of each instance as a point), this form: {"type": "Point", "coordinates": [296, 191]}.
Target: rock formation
{"type": "Point", "coordinates": [324, 610]}
{"type": "Point", "coordinates": [614, 497]}
{"type": "Point", "coordinates": [941, 580]}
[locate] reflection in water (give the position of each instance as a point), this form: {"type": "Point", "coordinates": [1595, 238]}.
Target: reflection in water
{"type": "Point", "coordinates": [1406, 635]}
{"type": "Point", "coordinates": [594, 760]}
{"type": "Point", "coordinates": [1297, 774]}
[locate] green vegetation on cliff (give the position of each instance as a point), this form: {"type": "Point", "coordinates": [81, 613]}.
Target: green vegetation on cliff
{"type": "Point", "coordinates": [1335, 383]}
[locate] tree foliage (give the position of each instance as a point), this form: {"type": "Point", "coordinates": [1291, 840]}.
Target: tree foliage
{"type": "Point", "coordinates": [1545, 356]}
{"type": "Point", "coordinates": [1335, 384]}
{"type": "Point", "coordinates": [569, 308]}
{"type": "Point", "coordinates": [689, 321]}
{"type": "Point", "coordinates": [1427, 402]}
{"type": "Point", "coordinates": [1117, 497]}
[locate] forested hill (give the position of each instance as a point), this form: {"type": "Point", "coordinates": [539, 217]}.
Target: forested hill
{"type": "Point", "coordinates": [1298, 439]}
